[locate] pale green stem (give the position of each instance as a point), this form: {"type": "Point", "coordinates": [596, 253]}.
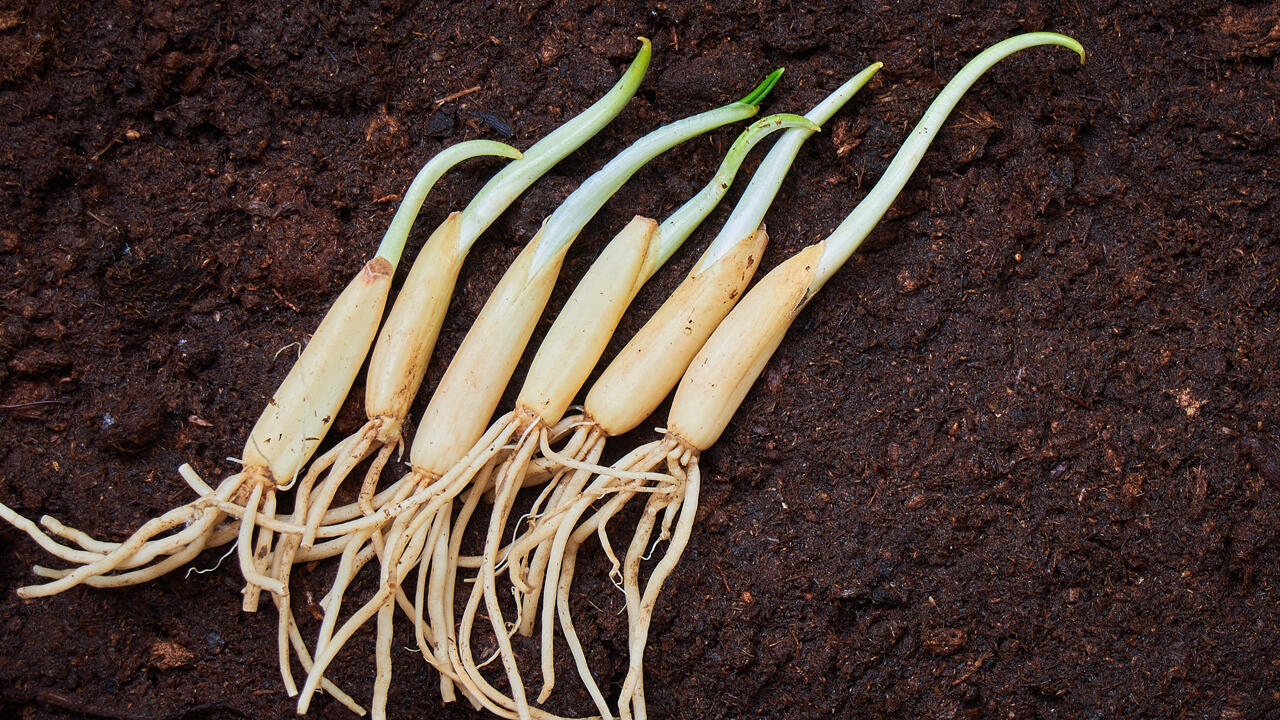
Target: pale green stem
{"type": "Point", "coordinates": [756, 199]}
{"type": "Point", "coordinates": [846, 238]}
{"type": "Point", "coordinates": [393, 241]}
{"type": "Point", "coordinates": [563, 226]}
{"type": "Point", "coordinates": [676, 229]}
{"type": "Point", "coordinates": [498, 194]}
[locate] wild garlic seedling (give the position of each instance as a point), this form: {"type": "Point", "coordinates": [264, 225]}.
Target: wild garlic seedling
{"type": "Point", "coordinates": [451, 445]}
{"type": "Point", "coordinates": [717, 381]}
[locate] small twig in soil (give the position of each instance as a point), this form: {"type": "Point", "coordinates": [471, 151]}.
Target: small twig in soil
{"type": "Point", "coordinates": [285, 300]}
{"type": "Point", "coordinates": [973, 668]}
{"type": "Point", "coordinates": [98, 155]}
{"type": "Point", "coordinates": [1077, 401]}
{"type": "Point", "coordinates": [15, 406]}
{"type": "Point", "coordinates": [454, 96]}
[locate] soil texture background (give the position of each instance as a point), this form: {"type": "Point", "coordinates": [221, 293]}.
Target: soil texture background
{"type": "Point", "coordinates": [1019, 459]}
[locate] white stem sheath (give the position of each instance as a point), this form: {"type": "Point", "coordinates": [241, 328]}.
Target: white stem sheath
{"type": "Point", "coordinates": [498, 194]}
{"type": "Point", "coordinates": [403, 351]}
{"type": "Point", "coordinates": [646, 369]}
{"type": "Point", "coordinates": [581, 331]}
{"type": "Point", "coordinates": [303, 407]}
{"type": "Point", "coordinates": [723, 371]}
{"type": "Point", "coordinates": [749, 212]}
{"type": "Point", "coordinates": [469, 392]}
{"type": "Point", "coordinates": [393, 241]}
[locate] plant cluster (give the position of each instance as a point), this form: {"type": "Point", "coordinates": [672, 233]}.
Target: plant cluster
{"type": "Point", "coordinates": [709, 342]}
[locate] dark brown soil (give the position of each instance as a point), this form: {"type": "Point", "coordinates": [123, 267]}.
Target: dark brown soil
{"type": "Point", "coordinates": [1020, 459]}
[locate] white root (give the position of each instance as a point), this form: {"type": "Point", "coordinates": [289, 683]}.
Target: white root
{"type": "Point", "coordinates": [125, 550]}
{"type": "Point", "coordinates": [336, 466]}
{"type": "Point", "coordinates": [532, 579]}
{"type": "Point", "coordinates": [248, 563]}
{"type": "Point", "coordinates": [400, 535]}
{"type": "Point", "coordinates": [261, 549]}
{"type": "Point", "coordinates": [423, 498]}
{"type": "Point", "coordinates": [632, 695]}
{"type": "Point", "coordinates": [508, 483]}
{"type": "Point", "coordinates": [444, 584]}
{"type": "Point", "coordinates": [568, 539]}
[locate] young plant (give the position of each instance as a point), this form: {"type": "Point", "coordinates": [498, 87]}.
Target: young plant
{"type": "Point", "coordinates": [717, 381]}
{"type": "Point", "coordinates": [451, 445]}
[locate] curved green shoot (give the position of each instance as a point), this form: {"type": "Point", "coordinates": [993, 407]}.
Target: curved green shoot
{"type": "Point", "coordinates": [758, 196]}
{"type": "Point", "coordinates": [679, 225]}
{"type": "Point", "coordinates": [392, 245]}
{"type": "Point", "coordinates": [563, 226]}
{"type": "Point", "coordinates": [761, 91]}
{"type": "Point", "coordinates": [846, 238]}
{"type": "Point", "coordinates": [498, 194]}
